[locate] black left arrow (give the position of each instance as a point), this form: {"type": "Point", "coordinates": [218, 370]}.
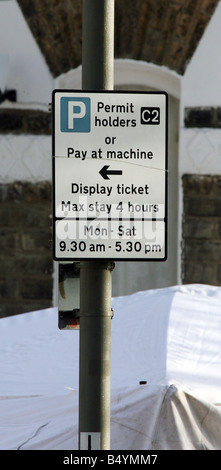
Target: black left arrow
{"type": "Point", "coordinates": [104, 172]}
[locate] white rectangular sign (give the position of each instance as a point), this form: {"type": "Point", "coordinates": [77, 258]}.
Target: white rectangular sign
{"type": "Point", "coordinates": [110, 175]}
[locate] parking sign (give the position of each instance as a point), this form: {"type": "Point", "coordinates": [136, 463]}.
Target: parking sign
{"type": "Point", "coordinates": [110, 175]}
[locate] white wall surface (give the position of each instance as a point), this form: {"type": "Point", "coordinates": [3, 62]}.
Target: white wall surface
{"type": "Point", "coordinates": [200, 149]}
{"type": "Point", "coordinates": [23, 157]}
{"type": "Point", "coordinates": [27, 71]}
{"type": "Point", "coordinates": [201, 81]}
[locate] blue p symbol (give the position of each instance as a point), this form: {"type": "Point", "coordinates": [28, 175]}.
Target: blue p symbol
{"type": "Point", "coordinates": [75, 114]}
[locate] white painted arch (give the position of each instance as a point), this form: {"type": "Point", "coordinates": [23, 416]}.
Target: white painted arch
{"type": "Point", "coordinates": [131, 72]}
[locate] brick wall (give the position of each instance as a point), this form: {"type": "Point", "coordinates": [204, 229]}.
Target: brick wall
{"type": "Point", "coordinates": [203, 116]}
{"type": "Point", "coordinates": [24, 121]}
{"type": "Point", "coordinates": [201, 257]}
{"type": "Point", "coordinates": [165, 32]}
{"type": "Point", "coordinates": [26, 266]}
{"type": "Point", "coordinates": [201, 253]}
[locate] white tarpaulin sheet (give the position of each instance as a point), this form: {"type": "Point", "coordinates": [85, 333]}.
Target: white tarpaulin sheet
{"type": "Point", "coordinates": [169, 338]}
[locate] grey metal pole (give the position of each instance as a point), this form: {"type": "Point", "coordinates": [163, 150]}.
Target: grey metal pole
{"type": "Point", "coordinates": [96, 277]}
{"type": "Point", "coordinates": [95, 352]}
{"type": "Point", "coordinates": [98, 44]}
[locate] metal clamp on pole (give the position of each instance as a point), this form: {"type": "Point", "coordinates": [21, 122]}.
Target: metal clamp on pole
{"type": "Point", "coordinates": [69, 296]}
{"type": "Point", "coordinates": [96, 277]}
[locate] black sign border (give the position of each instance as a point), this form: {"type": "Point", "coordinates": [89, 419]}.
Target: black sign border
{"type": "Point", "coordinates": [92, 258]}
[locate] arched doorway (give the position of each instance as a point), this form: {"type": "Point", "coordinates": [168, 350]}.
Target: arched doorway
{"type": "Point", "coordinates": [129, 277]}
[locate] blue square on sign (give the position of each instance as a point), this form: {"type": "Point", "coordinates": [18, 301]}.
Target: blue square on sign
{"type": "Point", "coordinates": [75, 114]}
